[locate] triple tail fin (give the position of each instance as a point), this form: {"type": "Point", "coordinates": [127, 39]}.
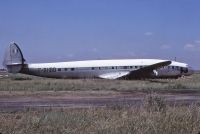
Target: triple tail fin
{"type": "Point", "coordinates": [13, 60]}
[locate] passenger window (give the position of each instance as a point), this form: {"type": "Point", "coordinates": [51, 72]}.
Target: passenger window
{"type": "Point", "coordinates": [125, 67]}
{"type": "Point", "coordinates": [72, 69]}
{"type": "Point", "coordinates": [92, 68]}
{"type": "Point", "coordinates": [65, 69]}
{"type": "Point", "coordinates": [113, 68]}
{"type": "Point", "coordinates": [172, 67]}
{"type": "Point", "coordinates": [59, 69]}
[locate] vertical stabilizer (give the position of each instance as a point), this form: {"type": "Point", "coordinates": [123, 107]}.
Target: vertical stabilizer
{"type": "Point", "coordinates": [13, 60]}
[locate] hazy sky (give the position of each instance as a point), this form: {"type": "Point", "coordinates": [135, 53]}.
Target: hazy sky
{"type": "Point", "coordinates": [64, 30]}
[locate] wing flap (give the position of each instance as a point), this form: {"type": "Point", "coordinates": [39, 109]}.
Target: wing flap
{"type": "Point", "coordinates": [114, 75]}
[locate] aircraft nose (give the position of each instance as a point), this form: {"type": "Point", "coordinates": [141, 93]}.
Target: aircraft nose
{"type": "Point", "coordinates": [190, 71]}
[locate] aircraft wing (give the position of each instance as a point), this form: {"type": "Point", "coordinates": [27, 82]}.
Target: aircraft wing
{"type": "Point", "coordinates": [147, 71]}
{"type": "Point", "coordinates": [143, 72]}
{"type": "Point", "coordinates": [114, 75]}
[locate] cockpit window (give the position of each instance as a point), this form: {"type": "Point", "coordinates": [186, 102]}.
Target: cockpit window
{"type": "Point", "coordinates": [186, 70]}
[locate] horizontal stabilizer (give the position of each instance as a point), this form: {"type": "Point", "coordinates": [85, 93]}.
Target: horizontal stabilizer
{"type": "Point", "coordinates": [13, 59]}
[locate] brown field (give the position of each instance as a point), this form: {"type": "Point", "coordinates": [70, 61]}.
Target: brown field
{"type": "Point", "coordinates": [154, 116]}
{"type": "Point", "coordinates": [30, 83]}
{"type": "Point", "coordinates": [151, 118]}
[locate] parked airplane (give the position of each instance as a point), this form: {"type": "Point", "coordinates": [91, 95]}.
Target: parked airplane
{"type": "Point", "coordinates": [106, 69]}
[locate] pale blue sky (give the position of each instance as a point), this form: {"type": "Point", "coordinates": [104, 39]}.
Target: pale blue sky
{"type": "Point", "coordinates": [63, 30]}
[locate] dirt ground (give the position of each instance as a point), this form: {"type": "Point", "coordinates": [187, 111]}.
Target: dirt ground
{"type": "Point", "coordinates": [85, 99]}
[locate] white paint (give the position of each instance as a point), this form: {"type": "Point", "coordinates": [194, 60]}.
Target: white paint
{"type": "Point", "coordinates": [104, 63]}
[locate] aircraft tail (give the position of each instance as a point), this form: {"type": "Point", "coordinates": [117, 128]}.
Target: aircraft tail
{"type": "Point", "coordinates": [13, 60]}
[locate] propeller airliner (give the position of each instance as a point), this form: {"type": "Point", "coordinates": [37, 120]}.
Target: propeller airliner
{"type": "Point", "coordinates": [104, 69]}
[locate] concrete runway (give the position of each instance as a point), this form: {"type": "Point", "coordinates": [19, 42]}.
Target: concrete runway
{"type": "Point", "coordinates": [86, 99]}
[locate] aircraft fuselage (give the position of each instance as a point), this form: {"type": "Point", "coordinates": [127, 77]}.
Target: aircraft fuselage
{"type": "Point", "coordinates": [96, 68]}
{"type": "Point", "coordinates": [106, 69]}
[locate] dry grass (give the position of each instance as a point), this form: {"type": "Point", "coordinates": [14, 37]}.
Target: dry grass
{"type": "Point", "coordinates": [29, 83]}
{"type": "Point", "coordinates": [151, 118]}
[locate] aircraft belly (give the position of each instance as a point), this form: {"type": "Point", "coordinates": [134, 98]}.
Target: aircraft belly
{"type": "Point", "coordinates": [62, 74]}
{"type": "Point", "coordinates": [68, 74]}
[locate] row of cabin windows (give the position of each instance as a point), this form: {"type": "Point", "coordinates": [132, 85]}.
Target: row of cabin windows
{"type": "Point", "coordinates": [174, 67]}
{"type": "Point", "coordinates": [103, 68]}
{"type": "Point", "coordinates": [120, 67]}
